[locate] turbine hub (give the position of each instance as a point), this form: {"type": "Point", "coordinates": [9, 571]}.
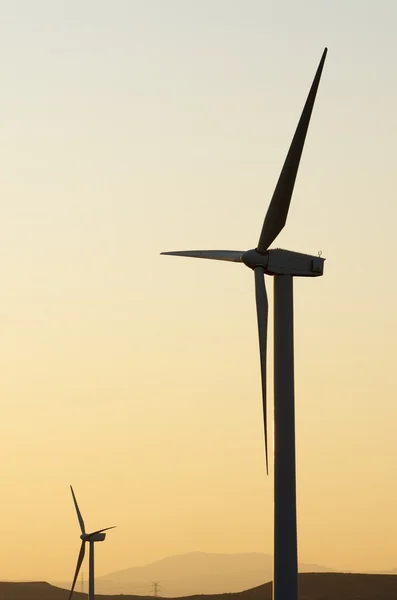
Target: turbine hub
{"type": "Point", "coordinates": [253, 258]}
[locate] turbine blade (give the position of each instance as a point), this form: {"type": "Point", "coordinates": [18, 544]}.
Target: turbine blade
{"type": "Point", "coordinates": [277, 212]}
{"type": "Point", "coordinates": [101, 530]}
{"type": "Point", "coordinates": [80, 518]}
{"type": "Point", "coordinates": [79, 563]}
{"type": "Point", "coordinates": [262, 315]}
{"type": "Point", "coordinates": [227, 255]}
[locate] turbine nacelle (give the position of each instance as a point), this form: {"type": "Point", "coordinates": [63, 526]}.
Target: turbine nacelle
{"type": "Point", "coordinates": [93, 537]}
{"type": "Point", "coordinates": [284, 262]}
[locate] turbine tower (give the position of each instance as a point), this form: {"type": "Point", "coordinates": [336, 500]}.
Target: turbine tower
{"type": "Point", "coordinates": [283, 265]}
{"type": "Point", "coordinates": [91, 538]}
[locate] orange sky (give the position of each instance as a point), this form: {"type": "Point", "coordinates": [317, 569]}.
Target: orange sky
{"type": "Point", "coordinates": [140, 127]}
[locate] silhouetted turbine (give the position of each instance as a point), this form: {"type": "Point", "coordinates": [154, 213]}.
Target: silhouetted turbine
{"type": "Point", "coordinates": [91, 538]}
{"type": "Point", "coordinates": [283, 265]}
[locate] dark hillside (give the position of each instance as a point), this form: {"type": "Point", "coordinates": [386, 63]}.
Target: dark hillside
{"type": "Point", "coordinates": [313, 586]}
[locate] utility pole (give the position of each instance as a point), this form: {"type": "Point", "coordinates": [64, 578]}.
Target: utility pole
{"type": "Point", "coordinates": [156, 588]}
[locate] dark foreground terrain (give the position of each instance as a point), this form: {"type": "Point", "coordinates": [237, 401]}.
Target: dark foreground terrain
{"type": "Point", "coordinates": [313, 586]}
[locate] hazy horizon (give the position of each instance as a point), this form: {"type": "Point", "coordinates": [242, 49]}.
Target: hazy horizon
{"type": "Point", "coordinates": [138, 127]}
{"type": "Point", "coordinates": [182, 574]}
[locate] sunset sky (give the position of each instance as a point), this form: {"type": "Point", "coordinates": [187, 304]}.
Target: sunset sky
{"type": "Point", "coordinates": [133, 127]}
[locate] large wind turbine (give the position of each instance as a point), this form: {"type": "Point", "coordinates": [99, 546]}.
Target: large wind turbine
{"type": "Point", "coordinates": [283, 265]}
{"type": "Point", "coordinates": [91, 538]}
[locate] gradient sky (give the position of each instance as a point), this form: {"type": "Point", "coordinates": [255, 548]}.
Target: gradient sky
{"type": "Point", "coordinates": [136, 126]}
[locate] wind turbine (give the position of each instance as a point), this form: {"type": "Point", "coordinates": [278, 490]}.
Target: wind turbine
{"type": "Point", "coordinates": [91, 538]}
{"type": "Point", "coordinates": [283, 265]}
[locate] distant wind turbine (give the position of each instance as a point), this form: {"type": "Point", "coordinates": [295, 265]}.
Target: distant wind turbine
{"type": "Point", "coordinates": [91, 538]}
{"type": "Point", "coordinates": [283, 265]}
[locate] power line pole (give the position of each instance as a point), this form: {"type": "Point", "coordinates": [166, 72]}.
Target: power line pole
{"type": "Point", "coordinates": [156, 588]}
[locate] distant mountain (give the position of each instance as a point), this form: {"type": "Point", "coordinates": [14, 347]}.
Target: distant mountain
{"type": "Point", "coordinates": [312, 586]}
{"type": "Point", "coordinates": [196, 573]}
